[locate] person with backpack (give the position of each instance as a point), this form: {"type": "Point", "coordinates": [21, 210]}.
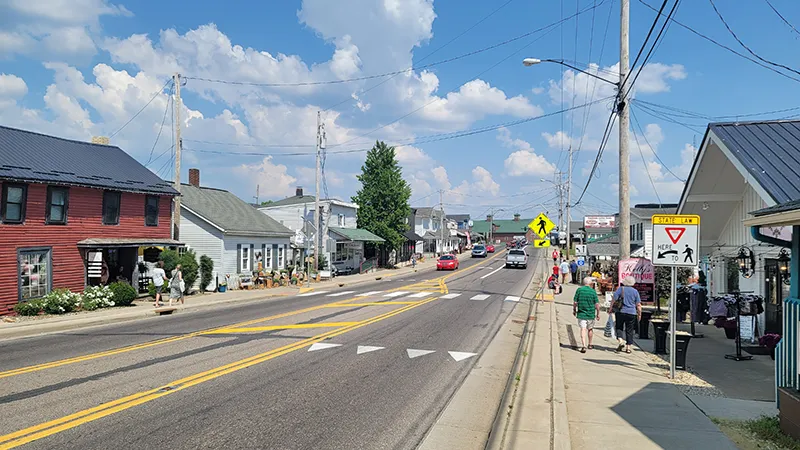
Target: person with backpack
{"type": "Point", "coordinates": [627, 307]}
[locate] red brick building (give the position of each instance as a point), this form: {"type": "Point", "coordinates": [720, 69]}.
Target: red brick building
{"type": "Point", "coordinates": [73, 214]}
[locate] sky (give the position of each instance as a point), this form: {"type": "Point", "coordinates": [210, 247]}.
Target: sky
{"type": "Point", "coordinates": [443, 81]}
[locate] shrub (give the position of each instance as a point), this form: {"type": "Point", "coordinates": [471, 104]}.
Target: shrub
{"type": "Point", "coordinates": [322, 262]}
{"type": "Point", "coordinates": [151, 290]}
{"type": "Point", "coordinates": [95, 297]}
{"type": "Point", "coordinates": [123, 293]}
{"type": "Point", "coordinates": [60, 301]}
{"type": "Point", "coordinates": [189, 267]}
{"type": "Point", "coordinates": [30, 307]}
{"type": "Point", "coordinates": [206, 272]}
{"type": "Point", "coordinates": [170, 259]}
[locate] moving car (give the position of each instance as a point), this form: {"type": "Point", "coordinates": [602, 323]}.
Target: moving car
{"type": "Point", "coordinates": [490, 248]}
{"type": "Point", "coordinates": [479, 251]}
{"type": "Point", "coordinates": [517, 258]}
{"type": "Point", "coordinates": [447, 262]}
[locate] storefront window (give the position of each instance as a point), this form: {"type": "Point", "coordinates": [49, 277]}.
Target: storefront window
{"type": "Point", "coordinates": [34, 273]}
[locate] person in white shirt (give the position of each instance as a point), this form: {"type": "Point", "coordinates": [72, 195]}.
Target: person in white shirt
{"type": "Point", "coordinates": [159, 276]}
{"type": "Point", "coordinates": [564, 269]}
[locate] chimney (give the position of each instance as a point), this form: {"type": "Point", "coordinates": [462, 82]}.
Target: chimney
{"type": "Point", "coordinates": [488, 217]}
{"type": "Point", "coordinates": [194, 177]}
{"type": "Point", "coordinates": [299, 191]}
{"type": "Point", "coordinates": [516, 217]}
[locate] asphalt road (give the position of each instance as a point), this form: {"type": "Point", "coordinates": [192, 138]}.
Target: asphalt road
{"type": "Point", "coordinates": [360, 368]}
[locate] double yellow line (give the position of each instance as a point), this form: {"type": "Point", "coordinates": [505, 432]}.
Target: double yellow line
{"type": "Point", "coordinates": [46, 429]}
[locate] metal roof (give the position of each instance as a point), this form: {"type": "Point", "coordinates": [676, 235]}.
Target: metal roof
{"type": "Point", "coordinates": [230, 213]}
{"type": "Point", "coordinates": [779, 208]}
{"type": "Point", "coordinates": [458, 217]}
{"type": "Point", "coordinates": [293, 200]}
{"type": "Point", "coordinates": [769, 151]}
{"type": "Point", "coordinates": [356, 234]}
{"type": "Point", "coordinates": [38, 158]}
{"type": "Point", "coordinates": [502, 226]}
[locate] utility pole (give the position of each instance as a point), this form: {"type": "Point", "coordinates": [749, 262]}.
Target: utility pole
{"type": "Point", "coordinates": [624, 129]}
{"type": "Point", "coordinates": [569, 199]}
{"type": "Point", "coordinates": [176, 211]}
{"type": "Point", "coordinates": [317, 229]}
{"type": "Point", "coordinates": [258, 188]}
{"type": "Point", "coordinates": [441, 220]}
{"type": "Point", "coordinates": [560, 190]}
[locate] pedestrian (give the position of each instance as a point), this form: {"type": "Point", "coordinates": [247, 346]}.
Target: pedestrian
{"type": "Point", "coordinates": [573, 270]}
{"type": "Point", "coordinates": [414, 260]}
{"type": "Point", "coordinates": [553, 284]}
{"type": "Point", "coordinates": [586, 308]}
{"type": "Point", "coordinates": [159, 277]}
{"type": "Point", "coordinates": [176, 285]}
{"type": "Point", "coordinates": [555, 270]}
{"type": "Point", "coordinates": [564, 270]}
{"type": "Point", "coordinates": [627, 306]}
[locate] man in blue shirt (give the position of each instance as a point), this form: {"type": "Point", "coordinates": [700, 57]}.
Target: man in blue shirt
{"type": "Point", "coordinates": [573, 270]}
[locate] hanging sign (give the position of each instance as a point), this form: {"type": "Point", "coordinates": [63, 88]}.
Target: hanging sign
{"type": "Point", "coordinates": [676, 240]}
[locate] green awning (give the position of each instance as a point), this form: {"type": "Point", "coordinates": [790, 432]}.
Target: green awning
{"type": "Point", "coordinates": [356, 234]}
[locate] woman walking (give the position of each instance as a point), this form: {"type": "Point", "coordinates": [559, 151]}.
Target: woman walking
{"type": "Point", "coordinates": [628, 311]}
{"type": "Point", "coordinates": [176, 285]}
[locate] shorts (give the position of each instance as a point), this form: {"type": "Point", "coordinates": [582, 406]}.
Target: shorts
{"type": "Point", "coordinates": [588, 324]}
{"type": "Point", "coordinates": [159, 289]}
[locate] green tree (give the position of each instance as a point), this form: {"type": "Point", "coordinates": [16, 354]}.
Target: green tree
{"type": "Point", "coordinates": [206, 272]}
{"type": "Point", "coordinates": [383, 197]}
{"type": "Point", "coordinates": [189, 268]}
{"type": "Point", "coordinates": [170, 259]}
{"type": "Point", "coordinates": [664, 279]}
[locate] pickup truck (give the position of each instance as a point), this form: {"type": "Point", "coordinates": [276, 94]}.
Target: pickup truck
{"type": "Point", "coordinates": [517, 258]}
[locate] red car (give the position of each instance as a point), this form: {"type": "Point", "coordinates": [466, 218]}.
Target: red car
{"type": "Point", "coordinates": [447, 262]}
{"type": "Point", "coordinates": [490, 248]}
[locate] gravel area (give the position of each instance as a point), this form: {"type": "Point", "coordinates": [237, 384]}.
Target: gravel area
{"type": "Point", "coordinates": [685, 380]}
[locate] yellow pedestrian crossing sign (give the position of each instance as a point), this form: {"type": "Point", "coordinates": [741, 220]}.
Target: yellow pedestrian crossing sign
{"type": "Point", "coordinates": [542, 225]}
{"type": "Point", "coordinates": [541, 243]}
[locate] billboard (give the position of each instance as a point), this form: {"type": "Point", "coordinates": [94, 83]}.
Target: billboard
{"type": "Point", "coordinates": [599, 222]}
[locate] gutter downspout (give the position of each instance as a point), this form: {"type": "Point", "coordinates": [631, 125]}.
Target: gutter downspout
{"type": "Point", "coordinates": [760, 237]}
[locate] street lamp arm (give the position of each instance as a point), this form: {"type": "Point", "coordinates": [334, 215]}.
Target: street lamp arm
{"type": "Point", "coordinates": [558, 61]}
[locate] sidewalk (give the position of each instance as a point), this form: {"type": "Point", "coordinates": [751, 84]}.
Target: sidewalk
{"type": "Point", "coordinates": [599, 399]}
{"type": "Point", "coordinates": [143, 308]}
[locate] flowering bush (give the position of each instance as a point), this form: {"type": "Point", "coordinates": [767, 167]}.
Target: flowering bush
{"type": "Point", "coordinates": [61, 301]}
{"type": "Point", "coordinates": [95, 297]}
{"type": "Point", "coordinates": [769, 340]}
{"type": "Point", "coordinates": [30, 307]}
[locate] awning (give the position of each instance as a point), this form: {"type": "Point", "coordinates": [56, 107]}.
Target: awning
{"type": "Point", "coordinates": [356, 234]}
{"type": "Point", "coordinates": [411, 236]}
{"type": "Point", "coordinates": [128, 242]}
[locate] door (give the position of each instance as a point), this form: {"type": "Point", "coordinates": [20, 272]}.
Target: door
{"type": "Point", "coordinates": [776, 291]}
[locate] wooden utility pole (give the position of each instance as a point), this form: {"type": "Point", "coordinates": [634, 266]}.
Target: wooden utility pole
{"type": "Point", "coordinates": [624, 130]}
{"type": "Point", "coordinates": [176, 211]}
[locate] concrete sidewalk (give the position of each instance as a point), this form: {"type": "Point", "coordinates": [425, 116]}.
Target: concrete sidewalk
{"type": "Point", "coordinates": [600, 399]}
{"type": "Point", "coordinates": [143, 308]}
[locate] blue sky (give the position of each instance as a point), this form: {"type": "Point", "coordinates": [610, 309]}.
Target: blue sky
{"type": "Point", "coordinates": [84, 67]}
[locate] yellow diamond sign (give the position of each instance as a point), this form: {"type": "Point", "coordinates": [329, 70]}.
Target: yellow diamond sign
{"type": "Point", "coordinates": [542, 225]}
{"type": "Point", "coordinates": [541, 243]}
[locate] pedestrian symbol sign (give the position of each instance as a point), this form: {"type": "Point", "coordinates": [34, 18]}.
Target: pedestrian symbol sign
{"type": "Point", "coordinates": [676, 240]}
{"type": "Point", "coordinates": [541, 243]}
{"type": "Point", "coordinates": [542, 225]}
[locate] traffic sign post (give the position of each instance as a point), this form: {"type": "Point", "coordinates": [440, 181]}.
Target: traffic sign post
{"type": "Point", "coordinates": [541, 243]}
{"type": "Point", "coordinates": [676, 243]}
{"type": "Point", "coordinates": [542, 225]}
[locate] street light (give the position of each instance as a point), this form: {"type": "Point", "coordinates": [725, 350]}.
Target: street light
{"type": "Point", "coordinates": [624, 158]}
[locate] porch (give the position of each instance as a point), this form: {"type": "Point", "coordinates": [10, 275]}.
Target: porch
{"type": "Point", "coordinates": [132, 260]}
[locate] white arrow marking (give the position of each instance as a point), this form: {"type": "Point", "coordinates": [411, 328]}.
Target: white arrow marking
{"type": "Point", "coordinates": [480, 297]}
{"type": "Point", "coordinates": [449, 296]}
{"type": "Point", "coordinates": [413, 353]}
{"type": "Point", "coordinates": [309, 294]}
{"type": "Point", "coordinates": [511, 298]}
{"type": "Point", "coordinates": [339, 294]}
{"type": "Point", "coordinates": [420, 294]}
{"type": "Point", "coordinates": [367, 294]}
{"type": "Point", "coordinates": [367, 349]}
{"type": "Point", "coordinates": [396, 294]}
{"type": "Point", "coordinates": [460, 356]}
{"type": "Point", "coordinates": [492, 272]}
{"type": "Point", "coordinates": [322, 346]}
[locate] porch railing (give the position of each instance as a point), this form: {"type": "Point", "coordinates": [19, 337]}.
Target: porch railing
{"type": "Point", "coordinates": [786, 350]}
{"type": "Point", "coordinates": [368, 265]}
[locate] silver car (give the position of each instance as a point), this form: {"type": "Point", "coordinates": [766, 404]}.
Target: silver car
{"type": "Point", "coordinates": [479, 251]}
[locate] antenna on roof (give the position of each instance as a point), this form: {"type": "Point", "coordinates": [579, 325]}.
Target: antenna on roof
{"type": "Point", "coordinates": [258, 187]}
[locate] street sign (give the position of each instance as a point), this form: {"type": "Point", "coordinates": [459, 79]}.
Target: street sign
{"type": "Point", "coordinates": [541, 243]}
{"type": "Point", "coordinates": [581, 261]}
{"type": "Point", "coordinates": [580, 249]}
{"type": "Point", "coordinates": [676, 240]}
{"type": "Point", "coordinates": [542, 225]}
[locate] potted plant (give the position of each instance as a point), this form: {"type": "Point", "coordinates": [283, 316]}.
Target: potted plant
{"type": "Point", "coordinates": [770, 341]}
{"type": "Point", "coordinates": [728, 324]}
{"type": "Point", "coordinates": [223, 286]}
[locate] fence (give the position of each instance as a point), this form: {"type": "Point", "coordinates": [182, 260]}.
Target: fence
{"type": "Point", "coordinates": [368, 265]}
{"type": "Point", "coordinates": [786, 350]}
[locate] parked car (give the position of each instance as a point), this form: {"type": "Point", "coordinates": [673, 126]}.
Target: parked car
{"type": "Point", "coordinates": [517, 258]}
{"type": "Point", "coordinates": [490, 248]}
{"type": "Point", "coordinates": [447, 262]}
{"type": "Point", "coordinates": [479, 251]}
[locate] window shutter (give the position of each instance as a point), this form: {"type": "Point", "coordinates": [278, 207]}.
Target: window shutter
{"type": "Point", "coordinates": [238, 258]}
{"type": "Point", "coordinates": [253, 265]}
{"type": "Point", "coordinates": [264, 256]}
{"type": "Point", "coordinates": [275, 256]}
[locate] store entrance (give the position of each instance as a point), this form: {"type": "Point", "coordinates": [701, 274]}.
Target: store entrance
{"type": "Point", "coordinates": [776, 290]}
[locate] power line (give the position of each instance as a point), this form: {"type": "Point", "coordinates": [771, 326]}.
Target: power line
{"type": "Point", "coordinates": [658, 115]}
{"type": "Point", "coordinates": [644, 135]}
{"type": "Point", "coordinates": [781, 16]}
{"type": "Point", "coordinates": [652, 47]}
{"type": "Point", "coordinates": [156, 94]}
{"type": "Point", "coordinates": [644, 44]}
{"type": "Point", "coordinates": [710, 118]}
{"type": "Point", "coordinates": [160, 129]}
{"type": "Point", "coordinates": [606, 135]}
{"type": "Point", "coordinates": [646, 168]}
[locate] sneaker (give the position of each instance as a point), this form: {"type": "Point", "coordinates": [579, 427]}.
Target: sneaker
{"type": "Point", "coordinates": [583, 349]}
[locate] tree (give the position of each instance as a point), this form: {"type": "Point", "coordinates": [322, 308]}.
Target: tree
{"type": "Point", "coordinates": [189, 269]}
{"type": "Point", "coordinates": [206, 272]}
{"type": "Point", "coordinates": [267, 203]}
{"type": "Point", "coordinates": [664, 279]}
{"type": "Point", "coordinates": [383, 198]}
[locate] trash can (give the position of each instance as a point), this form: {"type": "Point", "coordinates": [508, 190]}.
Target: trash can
{"type": "Point", "coordinates": [644, 325]}
{"type": "Point", "coordinates": [682, 339]}
{"type": "Point", "coordinates": [660, 328]}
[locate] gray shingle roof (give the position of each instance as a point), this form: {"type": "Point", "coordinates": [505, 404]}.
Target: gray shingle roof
{"type": "Point", "coordinates": [769, 151]}
{"type": "Point", "coordinates": [458, 217]}
{"type": "Point", "coordinates": [39, 158]}
{"type": "Point", "coordinates": [230, 213]}
{"type": "Point", "coordinates": [647, 212]}
{"type": "Point", "coordinates": [293, 200]}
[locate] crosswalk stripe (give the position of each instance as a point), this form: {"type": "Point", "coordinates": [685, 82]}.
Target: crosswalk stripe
{"type": "Point", "coordinates": [450, 296]}
{"type": "Point", "coordinates": [511, 298]}
{"type": "Point", "coordinates": [420, 294]}
{"type": "Point", "coordinates": [367, 294]}
{"type": "Point", "coordinates": [480, 297]}
{"type": "Point", "coordinates": [396, 294]}
{"type": "Point", "coordinates": [339, 294]}
{"type": "Point", "coordinates": [309, 294]}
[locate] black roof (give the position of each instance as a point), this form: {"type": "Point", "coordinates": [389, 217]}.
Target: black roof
{"type": "Point", "coordinates": [779, 208]}
{"type": "Point", "coordinates": [458, 217]}
{"type": "Point", "coordinates": [39, 158]}
{"type": "Point", "coordinates": [769, 151]}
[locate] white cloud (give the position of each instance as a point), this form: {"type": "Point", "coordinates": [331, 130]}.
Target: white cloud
{"type": "Point", "coordinates": [273, 179]}
{"type": "Point", "coordinates": [440, 175]}
{"type": "Point", "coordinates": [74, 40]}
{"type": "Point", "coordinates": [363, 107]}
{"type": "Point", "coordinates": [12, 86]}
{"type": "Point", "coordinates": [474, 101]}
{"type": "Point", "coordinates": [537, 90]}
{"type": "Point", "coordinates": [654, 77]}
{"type": "Point", "coordinates": [524, 161]}
{"type": "Point", "coordinates": [484, 182]}
{"type": "Point", "coordinates": [410, 156]}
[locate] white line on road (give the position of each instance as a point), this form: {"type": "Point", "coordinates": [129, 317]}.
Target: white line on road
{"type": "Point", "coordinates": [367, 349]}
{"type": "Point", "coordinates": [309, 294]}
{"type": "Point", "coordinates": [413, 353]}
{"type": "Point", "coordinates": [367, 294]}
{"type": "Point", "coordinates": [511, 298]}
{"type": "Point", "coordinates": [339, 294]}
{"type": "Point", "coordinates": [449, 296]}
{"type": "Point", "coordinates": [420, 294]}
{"type": "Point", "coordinates": [480, 297]}
{"type": "Point", "coordinates": [492, 272]}
{"type": "Point", "coordinates": [322, 346]}
{"type": "Point", "coordinates": [460, 356]}
{"type": "Point", "coordinates": [396, 294]}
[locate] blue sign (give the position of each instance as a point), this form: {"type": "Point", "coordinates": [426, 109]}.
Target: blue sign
{"type": "Point", "coordinates": [581, 261]}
